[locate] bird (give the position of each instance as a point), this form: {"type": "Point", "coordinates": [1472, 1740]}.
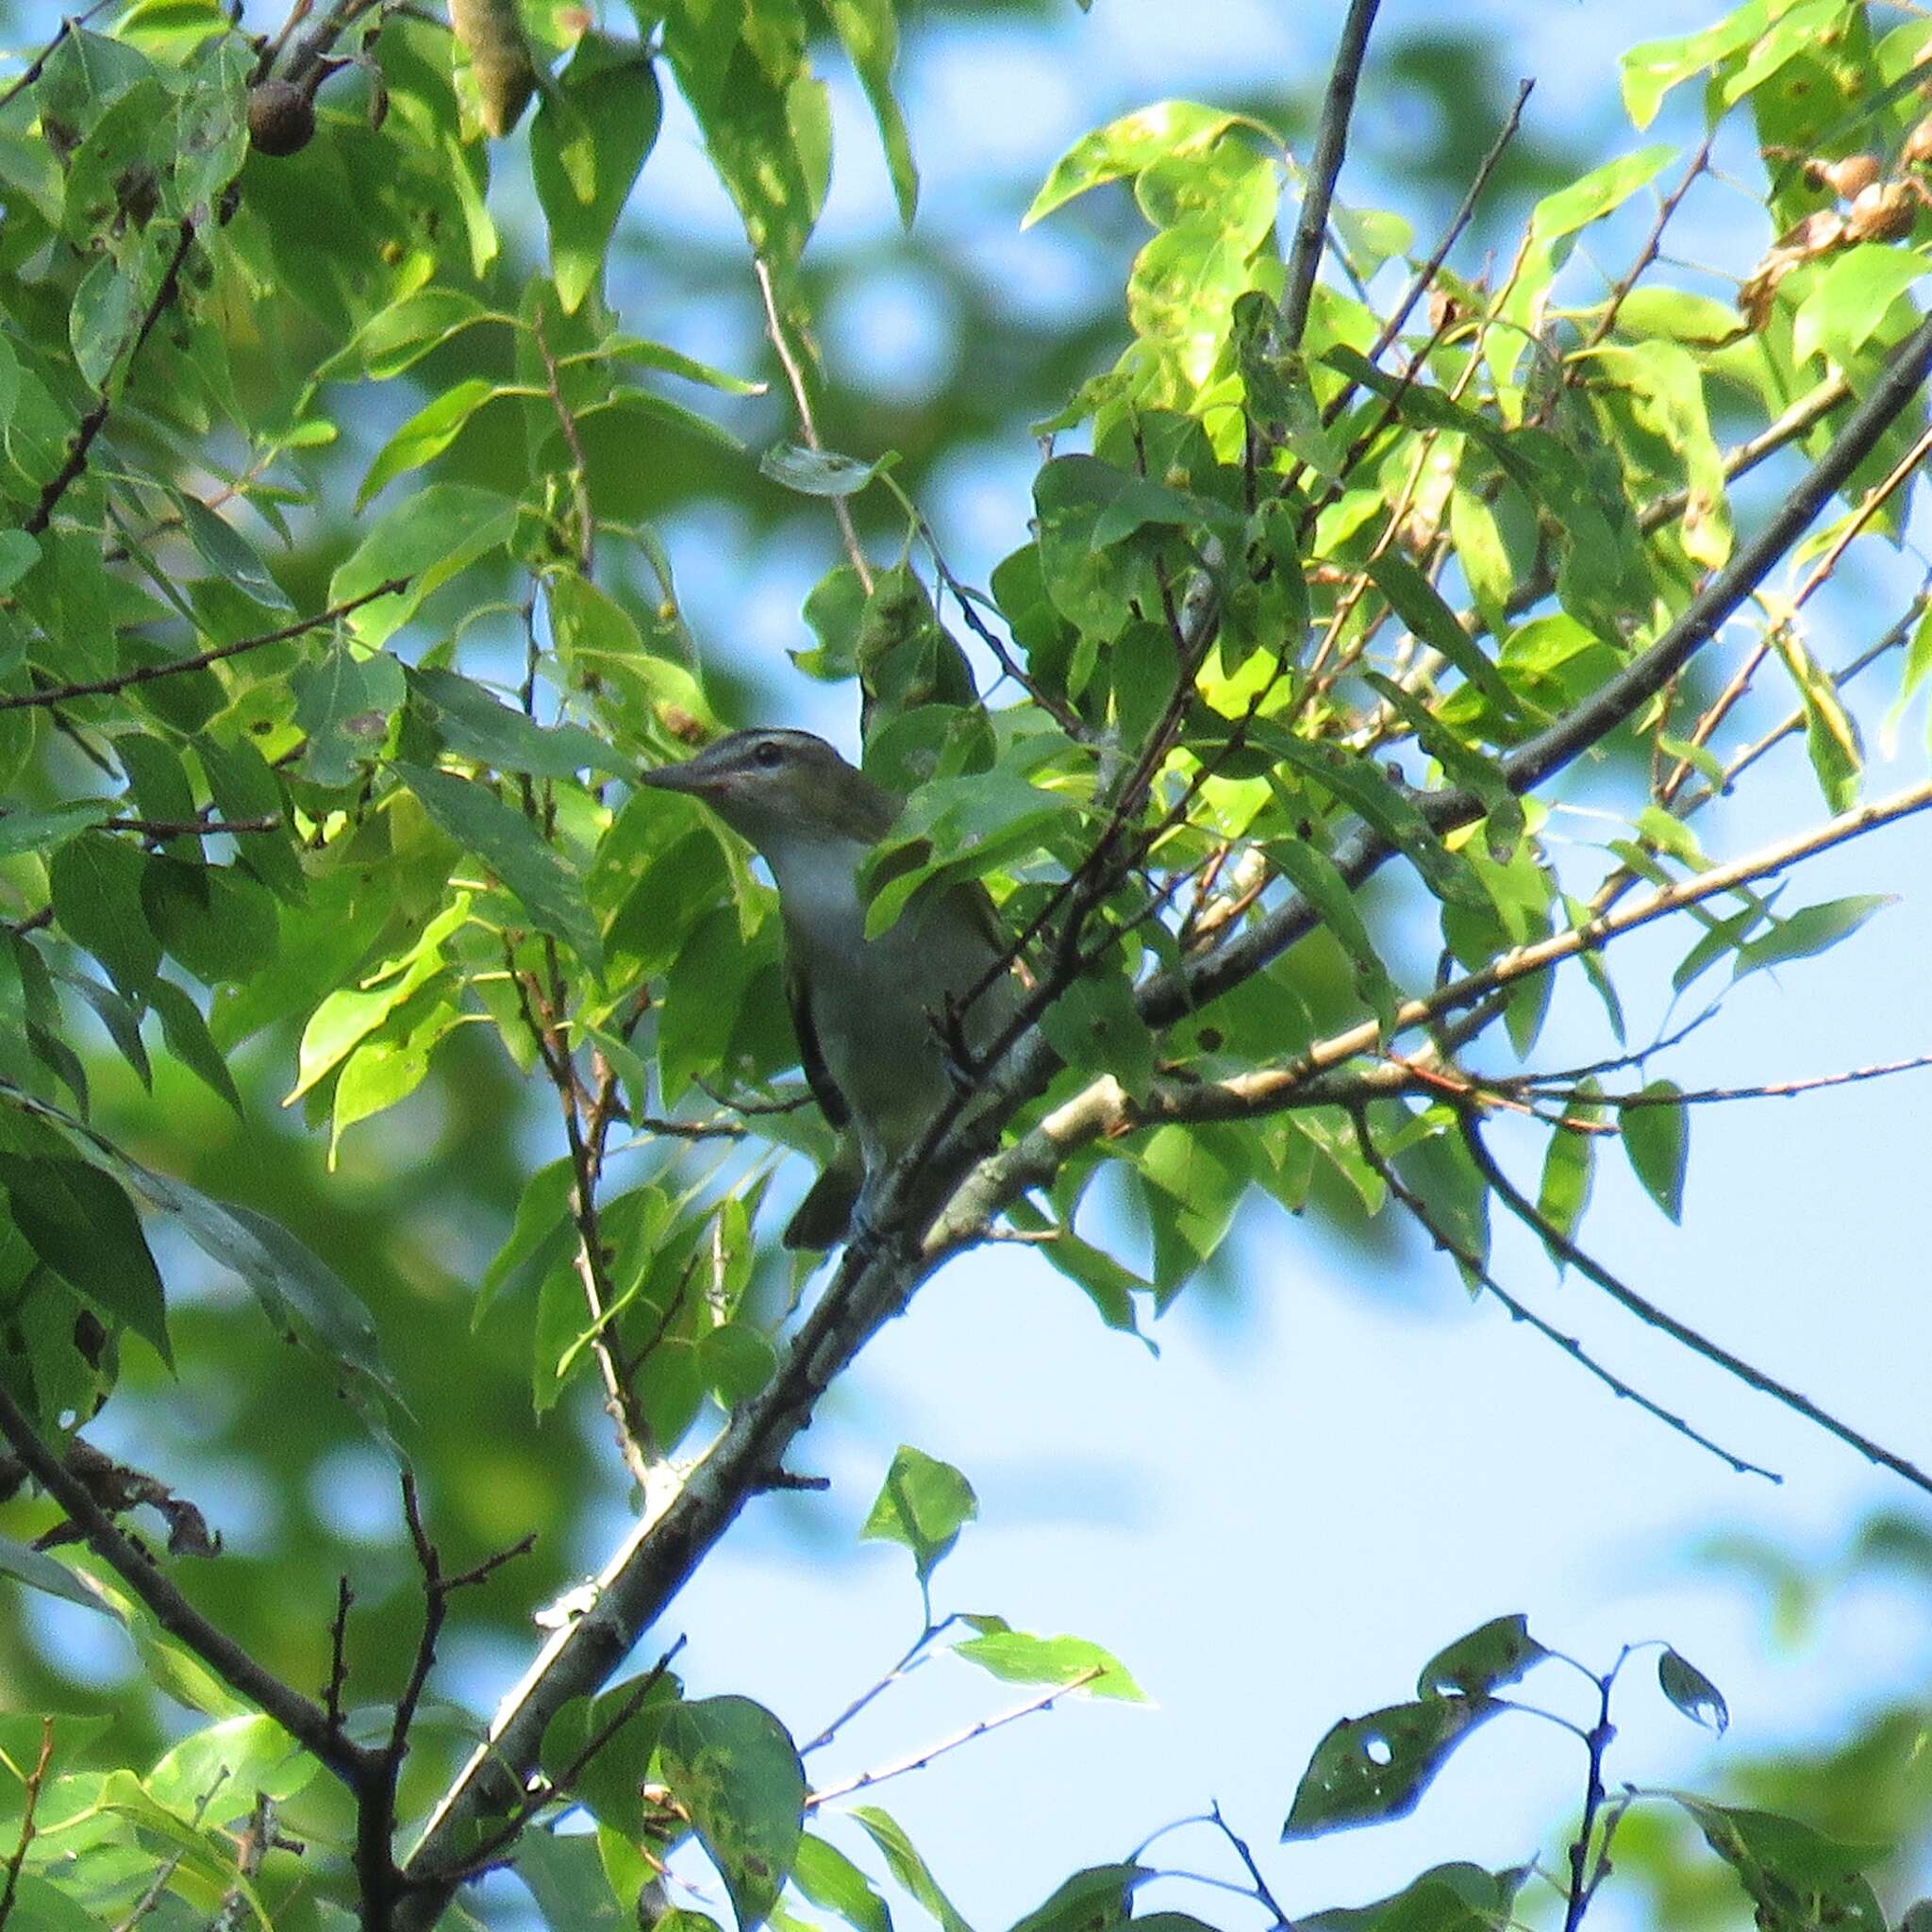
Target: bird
{"type": "Point", "coordinates": [870, 1015]}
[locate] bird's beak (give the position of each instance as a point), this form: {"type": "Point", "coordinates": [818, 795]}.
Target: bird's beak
{"type": "Point", "coordinates": [671, 778]}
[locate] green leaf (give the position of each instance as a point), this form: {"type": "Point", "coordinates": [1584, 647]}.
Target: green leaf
{"type": "Point", "coordinates": [1652, 69]}
{"type": "Point", "coordinates": [908, 1867]}
{"type": "Point", "coordinates": [768, 129]}
{"type": "Point", "coordinates": [734, 1768]}
{"type": "Point", "coordinates": [567, 1879]}
{"type": "Point", "coordinates": [39, 1571]}
{"type": "Point", "coordinates": [547, 884]}
{"type": "Point", "coordinates": [1692, 1691]}
{"type": "Point", "coordinates": [922, 1504]}
{"type": "Point", "coordinates": [628, 348]}
{"type": "Point", "coordinates": [427, 538]}
{"type": "Point", "coordinates": [1125, 147]}
{"type": "Point", "coordinates": [588, 143]}
{"type": "Point", "coordinates": [81, 1224]}
{"type": "Point", "coordinates": [347, 1016]}
{"type": "Point", "coordinates": [377, 1076]}
{"type": "Point", "coordinates": [1657, 1139]}
{"type": "Point", "coordinates": [1831, 737]}
{"type": "Point", "coordinates": [474, 725]}
{"type": "Point", "coordinates": [1569, 1170]}
{"type": "Point", "coordinates": [1446, 1898]}
{"type": "Point", "coordinates": [1016, 1658]}
{"type": "Point", "coordinates": [426, 434]}
{"type": "Point", "coordinates": [45, 831]}
{"type": "Point", "coordinates": [1427, 615]}
{"type": "Point", "coordinates": [343, 704]}
{"type": "Point", "coordinates": [1795, 1876]}
{"type": "Point", "coordinates": [869, 31]}
{"type": "Point", "coordinates": [816, 472]}
{"type": "Point", "coordinates": [1600, 191]}
{"type": "Point", "coordinates": [1361, 784]}
{"type": "Point", "coordinates": [111, 303]}
{"type": "Point", "coordinates": [95, 880]}
{"type": "Point", "coordinates": [1095, 1900]}
{"type": "Point", "coordinates": [235, 1760]}
{"type": "Point", "coordinates": [1374, 1768]}
{"type": "Point", "coordinates": [1312, 874]}
{"type": "Point", "coordinates": [832, 1882]}
{"type": "Point", "coordinates": [214, 919]}
{"type": "Point", "coordinates": [1493, 1655]}
{"type": "Point", "coordinates": [281, 1273]}
{"type": "Point", "coordinates": [1808, 932]}
{"type": "Point", "coordinates": [188, 1039]}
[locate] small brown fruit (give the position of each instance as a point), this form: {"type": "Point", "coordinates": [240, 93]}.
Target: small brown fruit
{"type": "Point", "coordinates": [282, 117]}
{"type": "Point", "coordinates": [1853, 174]}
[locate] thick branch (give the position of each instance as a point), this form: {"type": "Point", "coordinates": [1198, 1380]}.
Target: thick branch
{"type": "Point", "coordinates": [1324, 167]}
{"type": "Point", "coordinates": [1321, 1076]}
{"type": "Point", "coordinates": [682, 1517]}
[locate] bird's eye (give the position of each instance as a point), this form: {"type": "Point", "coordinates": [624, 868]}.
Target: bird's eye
{"type": "Point", "coordinates": [769, 755]}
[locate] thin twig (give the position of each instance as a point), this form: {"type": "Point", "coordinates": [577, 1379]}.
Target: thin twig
{"type": "Point", "coordinates": [1045, 1700]}
{"type": "Point", "coordinates": [29, 1804]}
{"type": "Point", "coordinates": [1648, 253]}
{"type": "Point", "coordinates": [1444, 1239]}
{"type": "Point", "coordinates": [146, 674]}
{"type": "Point", "coordinates": [914, 1657]}
{"type": "Point", "coordinates": [37, 66]}
{"type": "Point", "coordinates": [95, 420]}
{"type": "Point", "coordinates": [1597, 1738]}
{"type": "Point", "coordinates": [190, 829]}
{"type": "Point", "coordinates": [1426, 276]}
{"type": "Point", "coordinates": [338, 1653]}
{"type": "Point", "coordinates": [808, 424]}
{"type": "Point", "coordinates": [1260, 1891]}
{"type": "Point", "coordinates": [1770, 1090]}
{"type": "Point", "coordinates": [580, 468]}
{"type": "Point", "coordinates": [1652, 1316]}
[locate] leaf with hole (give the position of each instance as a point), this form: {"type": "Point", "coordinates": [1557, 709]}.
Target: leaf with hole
{"type": "Point", "coordinates": [1377, 1767]}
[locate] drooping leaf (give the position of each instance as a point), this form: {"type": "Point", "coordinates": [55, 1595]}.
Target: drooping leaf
{"type": "Point", "coordinates": [1692, 1691]}
{"type": "Point", "coordinates": [82, 1224]}
{"type": "Point", "coordinates": [922, 1504]}
{"type": "Point", "coordinates": [1656, 1138]}
{"type": "Point", "coordinates": [39, 1571]}
{"type": "Point", "coordinates": [549, 887]}
{"type": "Point", "coordinates": [588, 143]}
{"type": "Point", "coordinates": [734, 1768]}
{"type": "Point", "coordinates": [908, 1867]}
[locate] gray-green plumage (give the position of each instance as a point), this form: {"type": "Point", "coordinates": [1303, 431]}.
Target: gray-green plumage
{"type": "Point", "coordinates": [863, 1009]}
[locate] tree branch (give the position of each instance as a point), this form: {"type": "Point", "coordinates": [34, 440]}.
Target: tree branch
{"type": "Point", "coordinates": [146, 674]}
{"type": "Point", "coordinates": [303, 1720]}
{"type": "Point", "coordinates": [1324, 167]}
{"type": "Point", "coordinates": [1044, 1700]}
{"type": "Point", "coordinates": [1168, 995]}
{"type": "Point", "coordinates": [1652, 1316]}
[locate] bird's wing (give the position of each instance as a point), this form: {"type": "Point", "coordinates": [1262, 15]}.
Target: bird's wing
{"type": "Point", "coordinates": [810, 1058]}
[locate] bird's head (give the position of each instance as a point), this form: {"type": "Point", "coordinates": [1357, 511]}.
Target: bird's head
{"type": "Point", "coordinates": [777, 788]}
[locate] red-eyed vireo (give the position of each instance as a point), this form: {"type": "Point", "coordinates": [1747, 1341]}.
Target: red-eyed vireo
{"type": "Point", "coordinates": [868, 1013]}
